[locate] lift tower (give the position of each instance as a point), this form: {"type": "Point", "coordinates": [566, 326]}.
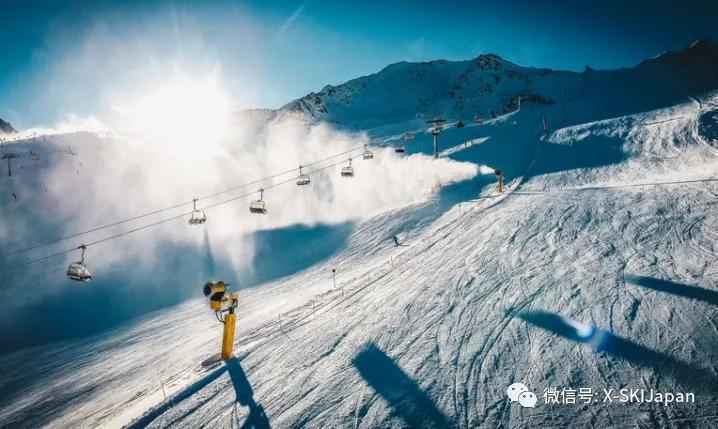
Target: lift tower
{"type": "Point", "coordinates": [436, 127]}
{"type": "Point", "coordinates": [9, 157]}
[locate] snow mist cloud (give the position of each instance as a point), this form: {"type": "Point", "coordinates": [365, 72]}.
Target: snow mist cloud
{"type": "Point", "coordinates": [111, 179]}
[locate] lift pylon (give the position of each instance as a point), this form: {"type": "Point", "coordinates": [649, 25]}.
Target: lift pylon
{"type": "Point", "coordinates": [436, 127]}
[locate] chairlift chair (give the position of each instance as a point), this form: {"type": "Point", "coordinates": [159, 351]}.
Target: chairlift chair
{"type": "Point", "coordinates": [303, 179]}
{"type": "Point", "coordinates": [437, 125]}
{"type": "Point", "coordinates": [258, 206]}
{"type": "Point", "coordinates": [77, 270]}
{"type": "Point", "coordinates": [348, 170]}
{"type": "Point", "coordinates": [367, 153]}
{"type": "Point", "coordinates": [198, 217]}
{"type": "Point", "coordinates": [405, 138]}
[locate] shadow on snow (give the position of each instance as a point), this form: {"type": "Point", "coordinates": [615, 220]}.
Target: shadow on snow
{"type": "Point", "coordinates": [683, 373]}
{"type": "Point", "coordinates": [673, 288]}
{"type": "Point", "coordinates": [244, 396]}
{"type": "Point", "coordinates": [403, 394]}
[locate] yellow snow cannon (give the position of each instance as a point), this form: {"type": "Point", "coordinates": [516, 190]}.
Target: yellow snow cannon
{"type": "Point", "coordinates": [223, 303]}
{"type": "Point", "coordinates": [500, 175]}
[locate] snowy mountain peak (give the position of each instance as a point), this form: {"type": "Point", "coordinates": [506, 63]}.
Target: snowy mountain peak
{"type": "Point", "coordinates": [699, 52]}
{"type": "Point", "coordinates": [491, 62]}
{"type": "Point", "coordinates": [489, 85]}
{"type": "Point", "coordinates": [703, 44]}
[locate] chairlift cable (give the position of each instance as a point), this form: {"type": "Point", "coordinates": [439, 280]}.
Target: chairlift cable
{"type": "Point", "coordinates": [169, 219]}
{"type": "Point", "coordinates": [173, 207]}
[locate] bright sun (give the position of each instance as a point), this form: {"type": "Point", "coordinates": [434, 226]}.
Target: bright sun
{"type": "Point", "coordinates": [186, 114]}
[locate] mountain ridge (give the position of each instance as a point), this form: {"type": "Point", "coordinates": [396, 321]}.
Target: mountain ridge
{"type": "Point", "coordinates": [488, 85]}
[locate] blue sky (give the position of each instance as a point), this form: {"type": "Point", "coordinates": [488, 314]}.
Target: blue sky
{"type": "Point", "coordinates": [67, 56]}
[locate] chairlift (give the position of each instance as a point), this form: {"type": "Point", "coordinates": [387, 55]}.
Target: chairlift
{"type": "Point", "coordinates": [77, 270]}
{"type": "Point", "coordinates": [367, 153]}
{"type": "Point", "coordinates": [437, 125]}
{"type": "Point", "coordinates": [303, 179]}
{"type": "Point", "coordinates": [405, 138]}
{"type": "Point", "coordinates": [198, 217]}
{"type": "Point", "coordinates": [258, 206]}
{"type": "Point", "coordinates": [348, 170]}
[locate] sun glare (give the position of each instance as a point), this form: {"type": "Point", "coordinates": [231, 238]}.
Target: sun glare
{"type": "Point", "coordinates": [182, 113]}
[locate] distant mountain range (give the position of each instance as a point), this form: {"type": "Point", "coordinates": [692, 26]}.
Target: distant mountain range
{"type": "Point", "coordinates": [489, 84]}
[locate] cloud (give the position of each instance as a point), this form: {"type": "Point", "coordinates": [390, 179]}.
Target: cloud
{"type": "Point", "coordinates": [71, 123]}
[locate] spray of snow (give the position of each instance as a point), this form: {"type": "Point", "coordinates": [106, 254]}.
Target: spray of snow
{"type": "Point", "coordinates": [485, 169]}
{"type": "Point", "coordinates": [115, 179]}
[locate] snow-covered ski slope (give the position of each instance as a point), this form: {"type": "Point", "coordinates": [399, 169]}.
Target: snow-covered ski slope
{"type": "Point", "coordinates": [484, 294]}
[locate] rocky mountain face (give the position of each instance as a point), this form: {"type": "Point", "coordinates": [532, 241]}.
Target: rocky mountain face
{"type": "Point", "coordinates": [490, 85]}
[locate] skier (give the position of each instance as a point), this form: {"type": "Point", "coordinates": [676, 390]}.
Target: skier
{"type": "Point", "coordinates": [397, 243]}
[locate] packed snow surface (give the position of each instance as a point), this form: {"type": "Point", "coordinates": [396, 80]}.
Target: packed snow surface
{"type": "Point", "coordinates": [596, 268]}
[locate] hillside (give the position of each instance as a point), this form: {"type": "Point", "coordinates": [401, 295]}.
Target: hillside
{"type": "Point", "coordinates": [607, 226]}
{"type": "Point", "coordinates": [405, 92]}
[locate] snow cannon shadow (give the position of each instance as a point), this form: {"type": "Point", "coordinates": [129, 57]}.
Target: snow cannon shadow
{"type": "Point", "coordinates": [110, 301]}
{"type": "Point", "coordinates": [245, 396]}
{"type": "Point", "coordinates": [459, 192]}
{"type": "Point", "coordinates": [598, 151]}
{"type": "Point", "coordinates": [284, 251]}
{"type": "Point", "coordinates": [402, 393]}
{"type": "Point", "coordinates": [172, 402]}
{"type": "Point", "coordinates": [708, 127]}
{"type": "Point", "coordinates": [673, 288]}
{"type": "Point", "coordinates": [510, 155]}
{"type": "Point", "coordinates": [528, 155]}
{"type": "Point", "coordinates": [697, 379]}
